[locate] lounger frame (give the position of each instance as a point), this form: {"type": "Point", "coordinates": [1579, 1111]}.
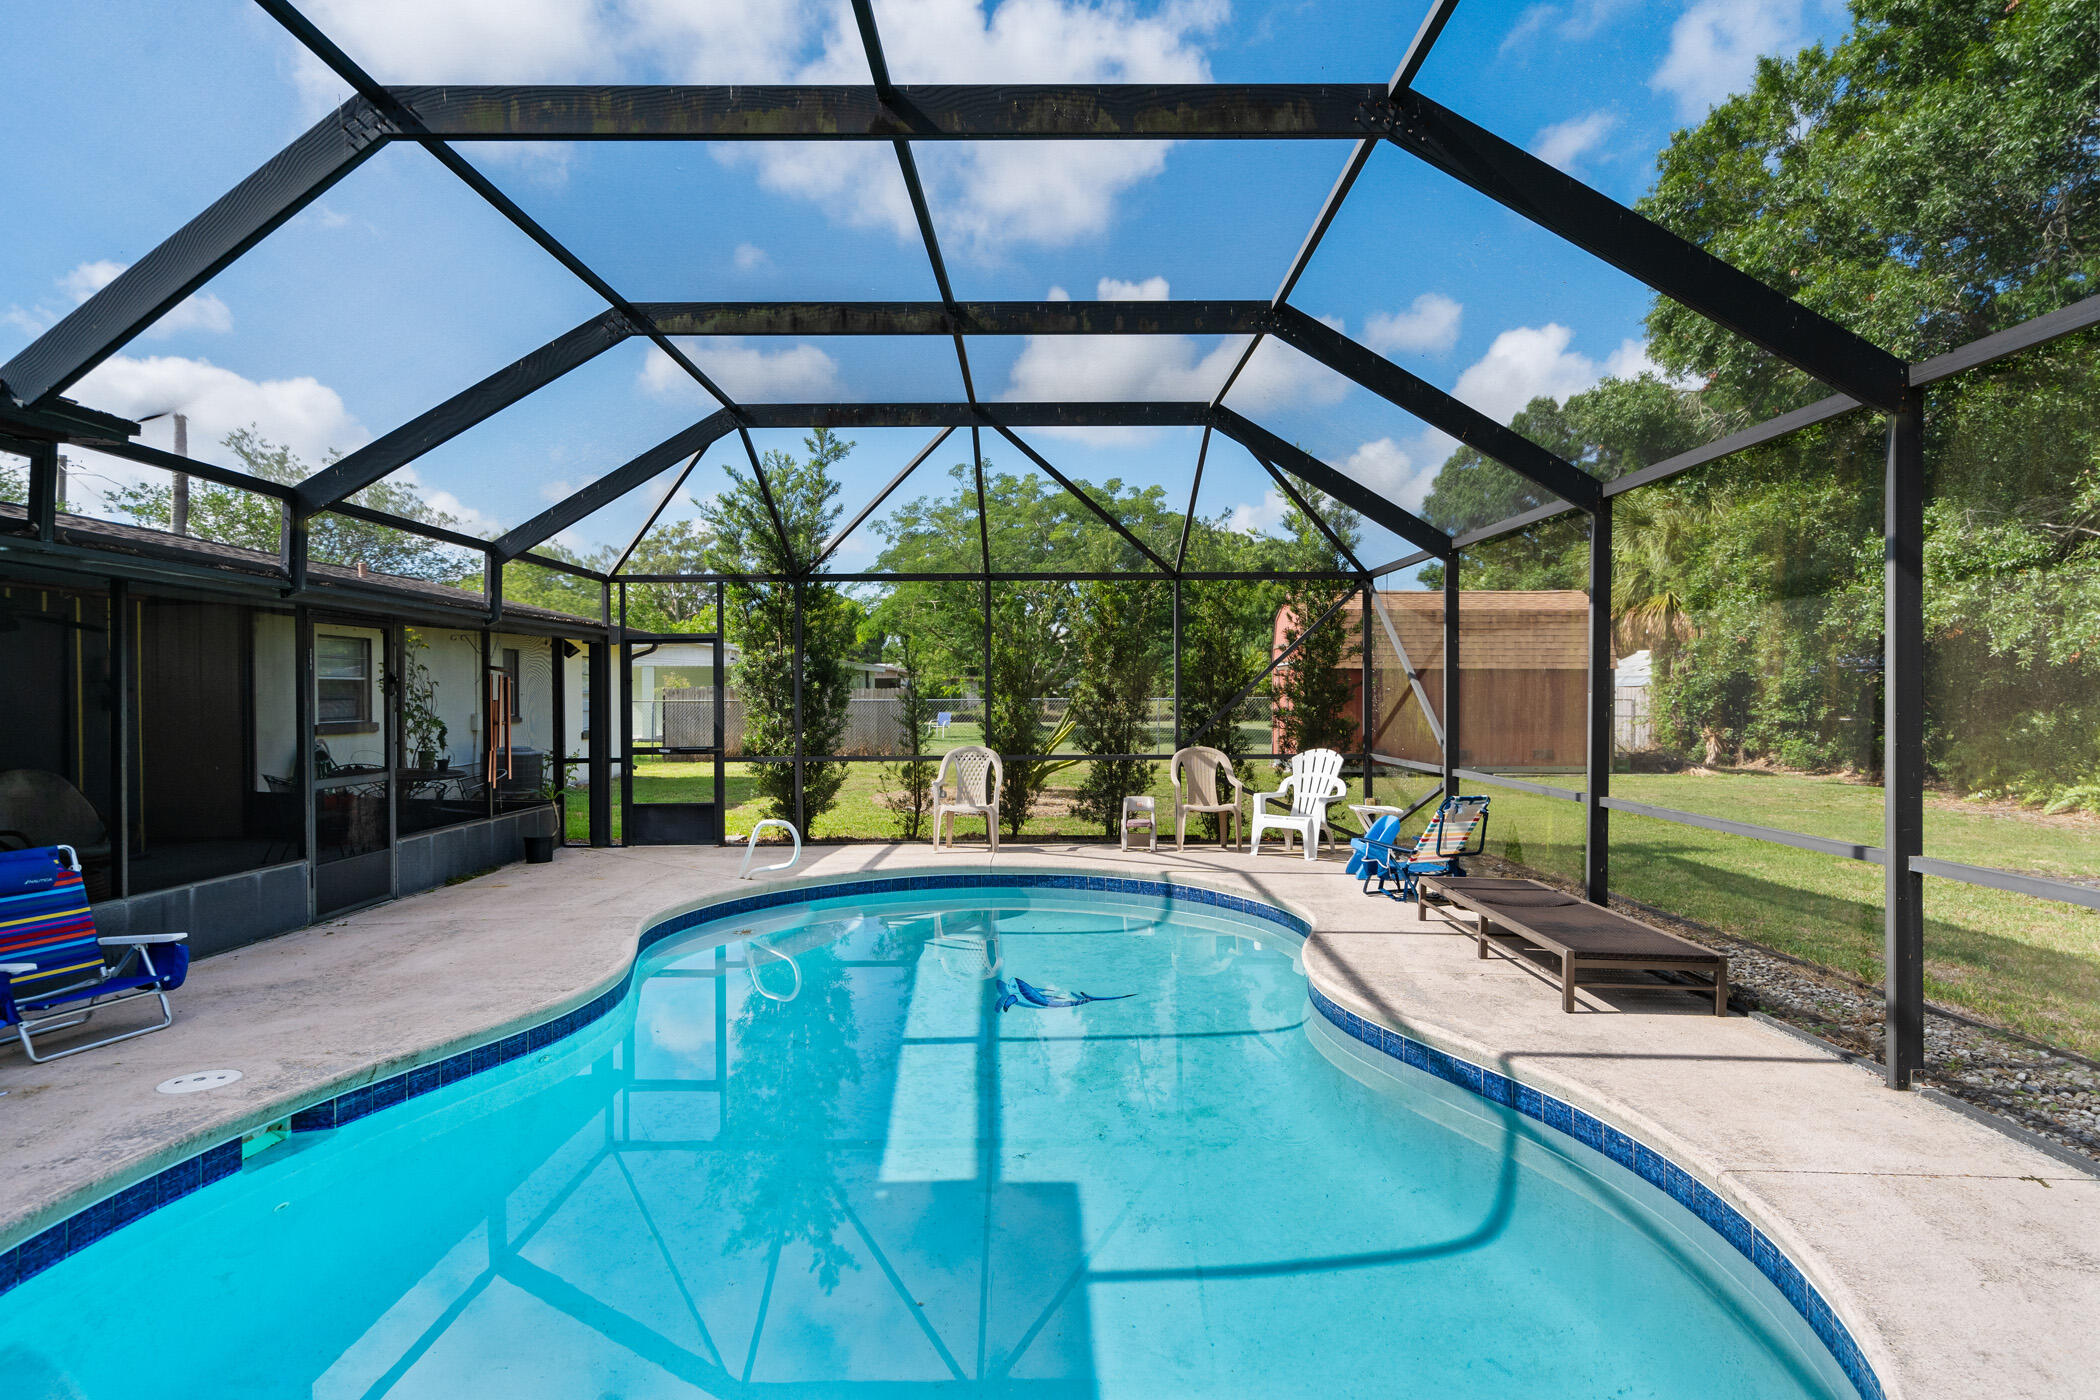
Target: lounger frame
{"type": "Point", "coordinates": [1573, 962]}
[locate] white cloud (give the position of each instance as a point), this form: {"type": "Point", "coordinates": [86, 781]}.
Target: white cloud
{"type": "Point", "coordinates": [1524, 363]}
{"type": "Point", "coordinates": [1402, 473]}
{"type": "Point", "coordinates": [303, 414]}
{"type": "Point", "coordinates": [459, 41]}
{"type": "Point", "coordinates": [1116, 289]}
{"type": "Point", "coordinates": [856, 182]}
{"type": "Point", "coordinates": [1570, 22]}
{"type": "Point", "coordinates": [1252, 519]}
{"type": "Point", "coordinates": [1564, 143]}
{"type": "Point", "coordinates": [1430, 324]}
{"type": "Point", "coordinates": [984, 193]}
{"type": "Point", "coordinates": [199, 312]}
{"type": "Point", "coordinates": [543, 163]}
{"type": "Point", "coordinates": [31, 321]}
{"type": "Point", "coordinates": [1527, 362]}
{"type": "Point", "coordinates": [1277, 377]}
{"type": "Point", "coordinates": [466, 519]}
{"type": "Point", "coordinates": [792, 374]}
{"type": "Point", "coordinates": [1170, 367]}
{"type": "Point", "coordinates": [1715, 45]}
{"type": "Point", "coordinates": [749, 257]}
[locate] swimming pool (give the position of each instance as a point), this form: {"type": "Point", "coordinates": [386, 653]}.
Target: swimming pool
{"type": "Point", "coordinates": [839, 1148]}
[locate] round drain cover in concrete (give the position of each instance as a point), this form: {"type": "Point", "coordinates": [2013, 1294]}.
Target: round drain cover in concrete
{"type": "Point", "coordinates": [201, 1080]}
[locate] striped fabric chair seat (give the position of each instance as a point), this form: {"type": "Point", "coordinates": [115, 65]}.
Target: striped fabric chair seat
{"type": "Point", "coordinates": [1459, 828]}
{"type": "Point", "coordinates": [45, 923]}
{"type": "Point", "coordinates": [55, 970]}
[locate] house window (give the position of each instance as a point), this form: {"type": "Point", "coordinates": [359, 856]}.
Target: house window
{"type": "Point", "coordinates": [342, 684]}
{"type": "Point", "coordinates": [510, 669]}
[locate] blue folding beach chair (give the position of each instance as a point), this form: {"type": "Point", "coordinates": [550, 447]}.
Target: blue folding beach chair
{"type": "Point", "coordinates": [55, 971]}
{"type": "Point", "coordinates": [1458, 829]}
{"type": "Point", "coordinates": [1372, 852]}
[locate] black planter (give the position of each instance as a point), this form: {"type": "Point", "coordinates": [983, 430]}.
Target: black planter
{"type": "Point", "coordinates": [539, 850]}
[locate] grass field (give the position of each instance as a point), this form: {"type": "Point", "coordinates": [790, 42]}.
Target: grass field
{"type": "Point", "coordinates": [2032, 965]}
{"type": "Point", "coordinates": [2029, 964]}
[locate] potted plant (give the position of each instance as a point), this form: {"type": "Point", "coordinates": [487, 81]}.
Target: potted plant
{"type": "Point", "coordinates": [539, 848]}
{"type": "Point", "coordinates": [423, 733]}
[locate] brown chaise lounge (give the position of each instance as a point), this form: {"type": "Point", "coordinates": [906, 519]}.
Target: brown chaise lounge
{"type": "Point", "coordinates": [1582, 935]}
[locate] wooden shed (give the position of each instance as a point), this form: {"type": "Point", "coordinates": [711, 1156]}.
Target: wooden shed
{"type": "Point", "coordinates": [1522, 655]}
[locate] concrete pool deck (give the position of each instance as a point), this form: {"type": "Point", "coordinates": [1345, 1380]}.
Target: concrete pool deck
{"type": "Point", "coordinates": [1965, 1262]}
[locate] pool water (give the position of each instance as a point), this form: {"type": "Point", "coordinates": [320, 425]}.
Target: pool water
{"type": "Point", "coordinates": [811, 1155]}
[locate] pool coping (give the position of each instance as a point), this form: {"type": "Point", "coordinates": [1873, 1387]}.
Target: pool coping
{"type": "Point", "coordinates": [40, 1249]}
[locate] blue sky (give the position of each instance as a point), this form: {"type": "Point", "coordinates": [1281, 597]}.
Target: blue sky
{"type": "Point", "coordinates": [399, 287]}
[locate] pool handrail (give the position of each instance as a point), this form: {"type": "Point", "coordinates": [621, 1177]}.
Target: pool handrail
{"type": "Point", "coordinates": [744, 871]}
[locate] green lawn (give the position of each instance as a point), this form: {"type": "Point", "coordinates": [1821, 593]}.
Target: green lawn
{"type": "Point", "coordinates": [2032, 965]}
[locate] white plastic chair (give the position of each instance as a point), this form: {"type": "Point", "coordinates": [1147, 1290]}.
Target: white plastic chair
{"type": "Point", "coordinates": [1315, 781]}
{"type": "Point", "coordinates": [1194, 773]}
{"type": "Point", "coordinates": [978, 778]}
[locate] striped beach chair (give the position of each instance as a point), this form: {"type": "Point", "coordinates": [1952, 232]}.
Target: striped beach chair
{"type": "Point", "coordinates": [56, 971]}
{"type": "Point", "coordinates": [1459, 828]}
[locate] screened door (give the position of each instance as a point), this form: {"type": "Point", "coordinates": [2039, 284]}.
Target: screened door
{"type": "Point", "coordinates": [672, 740]}
{"type": "Point", "coordinates": [354, 761]}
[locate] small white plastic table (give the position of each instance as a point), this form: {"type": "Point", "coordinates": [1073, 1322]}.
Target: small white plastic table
{"type": "Point", "coordinates": [1368, 812]}
{"type": "Point", "coordinates": [1141, 814]}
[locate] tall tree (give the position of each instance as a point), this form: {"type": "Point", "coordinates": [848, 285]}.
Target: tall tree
{"type": "Point", "coordinates": [1030, 629]}
{"type": "Point", "coordinates": [679, 547]}
{"type": "Point", "coordinates": [911, 781]}
{"type": "Point", "coordinates": [1116, 668]}
{"type": "Point", "coordinates": [1932, 177]}
{"type": "Point", "coordinates": [761, 618]}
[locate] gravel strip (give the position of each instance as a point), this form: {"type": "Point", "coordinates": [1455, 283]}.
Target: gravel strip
{"type": "Point", "coordinates": [2049, 1092]}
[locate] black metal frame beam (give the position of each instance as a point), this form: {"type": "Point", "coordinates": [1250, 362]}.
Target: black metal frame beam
{"type": "Point", "coordinates": [151, 287]}
{"type": "Point", "coordinates": [407, 124]}
{"type": "Point", "coordinates": [1088, 501]}
{"type": "Point", "coordinates": [1607, 230]}
{"type": "Point", "coordinates": [831, 545]}
{"type": "Point", "coordinates": [1328, 346]}
{"type": "Point", "coordinates": [541, 367]}
{"type": "Point", "coordinates": [150, 456]}
{"type": "Point", "coordinates": [1903, 741]}
{"type": "Point", "coordinates": [698, 437]}
{"type": "Point", "coordinates": [616, 483]}
{"type": "Point", "coordinates": [884, 112]}
{"type": "Point", "coordinates": [1305, 508]}
{"type": "Point", "coordinates": [824, 318]}
{"type": "Point", "coordinates": [1411, 62]}
{"type": "Point", "coordinates": [1600, 730]}
{"type": "Point", "coordinates": [1314, 472]}
{"type": "Point", "coordinates": [893, 104]}
{"type": "Point", "coordinates": [1188, 519]}
{"type": "Point", "coordinates": [677, 485]}
{"type": "Point", "coordinates": [1016, 576]}
{"type": "Point", "coordinates": [462, 411]}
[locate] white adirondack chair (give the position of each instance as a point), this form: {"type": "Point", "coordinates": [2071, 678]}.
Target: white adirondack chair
{"type": "Point", "coordinates": [978, 778]}
{"type": "Point", "coordinates": [1194, 773]}
{"type": "Point", "coordinates": [1315, 781]}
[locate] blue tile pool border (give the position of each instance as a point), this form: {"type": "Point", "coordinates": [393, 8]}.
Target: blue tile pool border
{"type": "Point", "coordinates": [89, 1224]}
{"type": "Point", "coordinates": [1634, 1155]}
